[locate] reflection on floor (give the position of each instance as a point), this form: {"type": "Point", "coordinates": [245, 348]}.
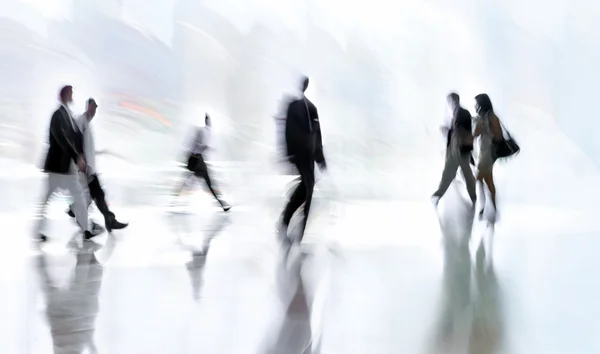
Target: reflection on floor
{"type": "Point", "coordinates": [374, 279]}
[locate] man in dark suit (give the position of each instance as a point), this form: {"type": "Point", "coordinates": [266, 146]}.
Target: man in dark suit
{"type": "Point", "coordinates": [304, 148]}
{"type": "Point", "coordinates": [458, 150]}
{"type": "Point", "coordinates": [65, 156]}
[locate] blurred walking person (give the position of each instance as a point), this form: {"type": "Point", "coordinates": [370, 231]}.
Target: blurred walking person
{"type": "Point", "coordinates": [304, 147]}
{"type": "Point", "coordinates": [458, 152]}
{"type": "Point", "coordinates": [196, 164]}
{"type": "Point", "coordinates": [65, 156]}
{"type": "Point", "coordinates": [487, 129]}
{"type": "Point", "coordinates": [90, 181]}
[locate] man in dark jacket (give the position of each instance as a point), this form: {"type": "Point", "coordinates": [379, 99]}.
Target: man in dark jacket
{"type": "Point", "coordinates": [304, 148]}
{"type": "Point", "coordinates": [65, 156]}
{"type": "Point", "coordinates": [458, 151]}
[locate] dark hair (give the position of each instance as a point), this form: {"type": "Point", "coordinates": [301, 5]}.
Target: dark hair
{"type": "Point", "coordinates": [305, 82]}
{"type": "Point", "coordinates": [454, 97]}
{"type": "Point", "coordinates": [484, 104]}
{"type": "Point", "coordinates": [64, 90]}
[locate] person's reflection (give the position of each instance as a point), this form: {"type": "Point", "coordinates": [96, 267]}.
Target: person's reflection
{"type": "Point", "coordinates": [295, 335]}
{"type": "Point", "coordinates": [196, 265]}
{"type": "Point", "coordinates": [182, 227]}
{"type": "Point", "coordinates": [453, 323]}
{"type": "Point", "coordinates": [195, 269]}
{"type": "Point", "coordinates": [71, 310]}
{"type": "Point", "coordinates": [470, 312]}
{"type": "Point", "coordinates": [488, 325]}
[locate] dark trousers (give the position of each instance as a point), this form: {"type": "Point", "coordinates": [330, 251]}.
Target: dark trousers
{"type": "Point", "coordinates": [197, 165]}
{"type": "Point", "coordinates": [98, 196]}
{"type": "Point", "coordinates": [303, 193]}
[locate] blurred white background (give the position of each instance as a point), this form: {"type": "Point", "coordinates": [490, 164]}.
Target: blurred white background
{"type": "Point", "coordinates": [380, 74]}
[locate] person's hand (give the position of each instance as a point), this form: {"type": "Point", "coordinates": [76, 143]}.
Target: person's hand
{"type": "Point", "coordinates": [323, 167]}
{"type": "Point", "coordinates": [81, 164]}
{"type": "Point", "coordinates": [444, 129]}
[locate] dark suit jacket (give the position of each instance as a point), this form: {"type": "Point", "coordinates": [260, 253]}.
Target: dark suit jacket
{"type": "Point", "coordinates": [66, 143]}
{"type": "Point", "coordinates": [303, 140]}
{"type": "Point", "coordinates": [461, 122]}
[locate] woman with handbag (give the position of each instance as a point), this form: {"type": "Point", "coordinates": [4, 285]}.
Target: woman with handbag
{"type": "Point", "coordinates": [489, 131]}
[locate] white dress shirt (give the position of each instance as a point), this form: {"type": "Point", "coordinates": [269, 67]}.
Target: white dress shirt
{"type": "Point", "coordinates": [73, 166]}
{"type": "Point", "coordinates": [202, 141]}
{"type": "Point", "coordinates": [89, 148]}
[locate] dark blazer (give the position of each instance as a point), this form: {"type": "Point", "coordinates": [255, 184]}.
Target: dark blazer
{"type": "Point", "coordinates": [66, 143]}
{"type": "Point", "coordinates": [303, 140]}
{"type": "Point", "coordinates": [461, 121]}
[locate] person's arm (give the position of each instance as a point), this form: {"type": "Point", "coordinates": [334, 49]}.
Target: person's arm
{"type": "Point", "coordinates": [319, 156]}
{"type": "Point", "coordinates": [59, 132]}
{"type": "Point", "coordinates": [291, 133]}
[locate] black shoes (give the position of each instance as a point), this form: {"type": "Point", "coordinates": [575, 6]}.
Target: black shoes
{"type": "Point", "coordinates": [116, 225]}
{"type": "Point", "coordinates": [113, 224]}
{"type": "Point", "coordinates": [96, 230]}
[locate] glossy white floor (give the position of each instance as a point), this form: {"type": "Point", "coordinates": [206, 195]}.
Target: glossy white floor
{"type": "Point", "coordinates": [378, 278]}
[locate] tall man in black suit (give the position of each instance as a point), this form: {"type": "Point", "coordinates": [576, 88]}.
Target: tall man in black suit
{"type": "Point", "coordinates": [65, 156]}
{"type": "Point", "coordinates": [304, 148]}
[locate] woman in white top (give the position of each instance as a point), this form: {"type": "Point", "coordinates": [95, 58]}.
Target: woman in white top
{"type": "Point", "coordinates": [488, 130]}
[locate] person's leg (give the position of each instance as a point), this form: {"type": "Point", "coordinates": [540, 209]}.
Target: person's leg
{"type": "Point", "coordinates": [51, 186]}
{"type": "Point", "coordinates": [97, 193]}
{"type": "Point", "coordinates": [189, 177]}
{"type": "Point", "coordinates": [295, 201]}
{"type": "Point", "coordinates": [71, 183]}
{"type": "Point", "coordinates": [83, 181]}
{"type": "Point", "coordinates": [307, 174]}
{"type": "Point", "coordinates": [465, 167]}
{"type": "Point", "coordinates": [482, 197]}
{"type": "Point", "coordinates": [448, 175]}
{"type": "Point", "coordinates": [202, 172]}
{"type": "Point", "coordinates": [489, 181]}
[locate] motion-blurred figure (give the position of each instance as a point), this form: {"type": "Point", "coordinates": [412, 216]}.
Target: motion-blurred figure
{"type": "Point", "coordinates": [488, 129]}
{"type": "Point", "coordinates": [72, 310]}
{"type": "Point", "coordinates": [295, 334]}
{"type": "Point", "coordinates": [89, 179]}
{"type": "Point", "coordinates": [459, 150]}
{"type": "Point", "coordinates": [195, 164]}
{"type": "Point", "coordinates": [65, 151]}
{"type": "Point", "coordinates": [304, 148]}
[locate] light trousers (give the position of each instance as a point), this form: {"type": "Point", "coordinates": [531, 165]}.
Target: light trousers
{"type": "Point", "coordinates": [72, 184]}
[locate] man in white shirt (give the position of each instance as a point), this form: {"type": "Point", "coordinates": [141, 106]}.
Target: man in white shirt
{"type": "Point", "coordinates": [200, 146]}
{"type": "Point", "coordinates": [89, 180]}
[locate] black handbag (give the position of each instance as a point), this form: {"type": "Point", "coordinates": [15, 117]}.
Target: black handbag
{"type": "Point", "coordinates": [506, 147]}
